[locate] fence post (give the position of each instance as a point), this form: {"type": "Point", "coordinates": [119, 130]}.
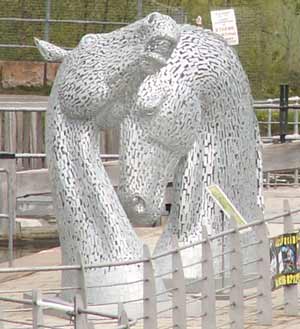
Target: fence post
{"type": "Point", "coordinates": [296, 122]}
{"type": "Point", "coordinates": [8, 163]}
{"type": "Point", "coordinates": [264, 296]}
{"type": "Point", "coordinates": [122, 316]}
{"type": "Point", "coordinates": [296, 177]}
{"type": "Point", "coordinates": [82, 280]}
{"type": "Point", "coordinates": [208, 287]}
{"type": "Point", "coordinates": [81, 321]}
{"type": "Point", "coordinates": [1, 322]}
{"type": "Point", "coordinates": [37, 310]}
{"type": "Point", "coordinates": [290, 292]}
{"type": "Point", "coordinates": [236, 310]}
{"type": "Point", "coordinates": [178, 296]}
{"type": "Point", "coordinates": [10, 131]}
{"type": "Point", "coordinates": [269, 122]}
{"type": "Point", "coordinates": [150, 306]}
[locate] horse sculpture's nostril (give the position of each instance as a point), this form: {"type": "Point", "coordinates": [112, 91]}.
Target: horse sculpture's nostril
{"type": "Point", "coordinates": [139, 204]}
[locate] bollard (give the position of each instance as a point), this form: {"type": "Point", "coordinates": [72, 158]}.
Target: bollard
{"type": "Point", "coordinates": [37, 310]}
{"type": "Point", "coordinates": [236, 311]}
{"type": "Point", "coordinates": [178, 297]}
{"type": "Point", "coordinates": [150, 306]}
{"type": "Point", "coordinates": [290, 292]}
{"type": "Point", "coordinates": [208, 286]}
{"type": "Point", "coordinates": [283, 114]}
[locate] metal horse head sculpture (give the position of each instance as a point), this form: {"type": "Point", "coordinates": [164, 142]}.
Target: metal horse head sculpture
{"type": "Point", "coordinates": [193, 121]}
{"type": "Point", "coordinates": [94, 88]}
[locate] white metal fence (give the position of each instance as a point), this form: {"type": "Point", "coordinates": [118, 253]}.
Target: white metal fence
{"type": "Point", "coordinates": [271, 106]}
{"type": "Point", "coordinates": [209, 311]}
{"type": "Point", "coordinates": [269, 127]}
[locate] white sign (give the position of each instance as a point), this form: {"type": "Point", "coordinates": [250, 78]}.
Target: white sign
{"type": "Point", "coordinates": [225, 204]}
{"type": "Point", "coordinates": [224, 23]}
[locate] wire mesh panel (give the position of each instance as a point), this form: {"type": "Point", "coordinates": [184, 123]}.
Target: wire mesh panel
{"type": "Point", "coordinates": [268, 46]}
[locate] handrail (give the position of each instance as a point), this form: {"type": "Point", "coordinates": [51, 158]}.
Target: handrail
{"type": "Point", "coordinates": [61, 307]}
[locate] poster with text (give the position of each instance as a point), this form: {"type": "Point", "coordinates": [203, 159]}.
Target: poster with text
{"type": "Point", "coordinates": [284, 258]}
{"type": "Point", "coordinates": [224, 23]}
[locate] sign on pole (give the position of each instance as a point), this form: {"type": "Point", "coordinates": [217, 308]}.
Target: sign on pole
{"type": "Point", "coordinates": [225, 204]}
{"type": "Point", "coordinates": [285, 259]}
{"type": "Point", "coordinates": [224, 23]}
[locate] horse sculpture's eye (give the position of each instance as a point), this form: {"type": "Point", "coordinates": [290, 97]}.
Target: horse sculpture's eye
{"type": "Point", "coordinates": [89, 39]}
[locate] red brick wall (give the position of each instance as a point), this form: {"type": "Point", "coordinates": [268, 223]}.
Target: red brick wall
{"type": "Point", "coordinates": [26, 74]}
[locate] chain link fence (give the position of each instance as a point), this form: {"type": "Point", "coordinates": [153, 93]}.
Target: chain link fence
{"type": "Point", "coordinates": [65, 22]}
{"type": "Point", "coordinates": [268, 35]}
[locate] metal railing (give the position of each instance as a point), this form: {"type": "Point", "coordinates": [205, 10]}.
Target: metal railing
{"type": "Point", "coordinates": [270, 106]}
{"type": "Point", "coordinates": [280, 105]}
{"type": "Point", "coordinates": [233, 314]}
{"type": "Point", "coordinates": [273, 106]}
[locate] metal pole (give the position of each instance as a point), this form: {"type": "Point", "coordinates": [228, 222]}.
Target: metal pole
{"type": "Point", "coordinates": [179, 296]}
{"type": "Point", "coordinates": [269, 123]}
{"type": "Point", "coordinates": [264, 297]}
{"type": "Point", "coordinates": [46, 33]}
{"type": "Point", "coordinates": [37, 310]}
{"type": "Point", "coordinates": [296, 122]}
{"type": "Point", "coordinates": [122, 316]}
{"type": "Point", "coordinates": [47, 19]}
{"type": "Point", "coordinates": [82, 281]}
{"type": "Point", "coordinates": [139, 9]}
{"type": "Point", "coordinates": [296, 178]}
{"type": "Point", "coordinates": [283, 115]}
{"type": "Point", "coordinates": [150, 306]}
{"type": "Point", "coordinates": [209, 285]}
{"type": "Point", "coordinates": [8, 162]}
{"type": "Point", "coordinates": [11, 209]}
{"type": "Point", "coordinates": [296, 132]}
{"type": "Point", "coordinates": [236, 310]}
{"type": "Point", "coordinates": [296, 127]}
{"type": "Point", "coordinates": [81, 320]}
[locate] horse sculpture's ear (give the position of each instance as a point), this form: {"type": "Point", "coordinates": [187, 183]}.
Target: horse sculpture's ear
{"type": "Point", "coordinates": [50, 52]}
